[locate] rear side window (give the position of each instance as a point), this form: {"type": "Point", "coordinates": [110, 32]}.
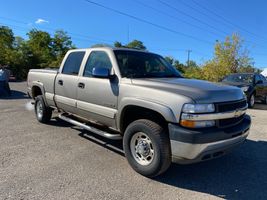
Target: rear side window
{"type": "Point", "coordinates": [96, 59]}
{"type": "Point", "coordinates": [73, 63]}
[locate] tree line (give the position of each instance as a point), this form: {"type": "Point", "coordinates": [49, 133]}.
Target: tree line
{"type": "Point", "coordinates": [43, 50]}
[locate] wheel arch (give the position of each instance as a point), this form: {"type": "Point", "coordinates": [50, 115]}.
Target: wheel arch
{"type": "Point", "coordinates": [133, 109]}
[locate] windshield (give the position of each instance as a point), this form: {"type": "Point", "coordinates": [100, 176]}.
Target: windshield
{"type": "Point", "coordinates": [134, 64]}
{"type": "Point", "coordinates": [239, 78]}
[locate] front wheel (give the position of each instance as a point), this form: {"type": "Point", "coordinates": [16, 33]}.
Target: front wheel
{"type": "Point", "coordinates": [42, 112]}
{"type": "Point", "coordinates": [147, 147]}
{"type": "Point", "coordinates": [251, 101]}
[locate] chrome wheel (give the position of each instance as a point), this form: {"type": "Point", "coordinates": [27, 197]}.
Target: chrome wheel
{"type": "Point", "coordinates": [142, 148]}
{"type": "Point", "coordinates": [39, 109]}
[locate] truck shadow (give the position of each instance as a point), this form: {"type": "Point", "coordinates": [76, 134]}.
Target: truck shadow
{"type": "Point", "coordinates": [259, 106]}
{"type": "Point", "coordinates": [239, 175]}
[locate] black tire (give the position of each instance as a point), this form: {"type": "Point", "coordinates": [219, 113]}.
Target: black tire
{"type": "Point", "coordinates": [251, 100]}
{"type": "Point", "coordinates": [43, 116]}
{"type": "Point", "coordinates": [160, 142]}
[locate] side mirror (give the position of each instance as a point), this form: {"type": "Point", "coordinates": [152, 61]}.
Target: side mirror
{"type": "Point", "coordinates": [100, 72]}
{"type": "Point", "coordinates": [259, 82]}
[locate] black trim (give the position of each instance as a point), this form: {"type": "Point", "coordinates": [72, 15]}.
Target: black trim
{"type": "Point", "coordinates": [207, 135]}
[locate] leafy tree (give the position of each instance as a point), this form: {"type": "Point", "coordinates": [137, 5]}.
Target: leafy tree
{"type": "Point", "coordinates": [40, 46]}
{"type": "Point", "coordinates": [61, 43]}
{"type": "Point", "coordinates": [6, 45]}
{"type": "Point", "coordinates": [230, 56]}
{"type": "Point", "coordinates": [118, 44]}
{"type": "Point", "coordinates": [135, 44]}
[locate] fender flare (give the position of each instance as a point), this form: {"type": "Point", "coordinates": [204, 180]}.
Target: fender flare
{"type": "Point", "coordinates": [163, 110]}
{"type": "Point", "coordinates": [41, 86]}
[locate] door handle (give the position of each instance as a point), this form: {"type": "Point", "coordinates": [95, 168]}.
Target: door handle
{"type": "Point", "coordinates": [60, 82]}
{"type": "Point", "coordinates": [81, 85]}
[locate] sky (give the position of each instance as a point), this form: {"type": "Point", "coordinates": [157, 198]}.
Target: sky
{"type": "Point", "coordinates": [166, 27]}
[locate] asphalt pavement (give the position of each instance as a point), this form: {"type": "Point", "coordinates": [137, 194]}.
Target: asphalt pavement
{"type": "Point", "coordinates": [60, 161]}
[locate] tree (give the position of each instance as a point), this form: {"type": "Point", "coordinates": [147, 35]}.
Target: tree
{"type": "Point", "coordinates": [40, 46]}
{"type": "Point", "coordinates": [61, 43]}
{"type": "Point", "coordinates": [135, 44]}
{"type": "Point", "coordinates": [6, 45]}
{"type": "Point", "coordinates": [230, 56]}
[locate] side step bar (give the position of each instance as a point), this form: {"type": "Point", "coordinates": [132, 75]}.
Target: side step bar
{"type": "Point", "coordinates": [91, 129]}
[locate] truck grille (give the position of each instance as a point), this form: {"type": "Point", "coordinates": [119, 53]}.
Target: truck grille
{"type": "Point", "coordinates": [230, 106]}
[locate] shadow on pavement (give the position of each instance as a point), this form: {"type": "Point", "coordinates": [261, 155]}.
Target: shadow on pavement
{"type": "Point", "coordinates": [15, 95]}
{"type": "Point", "coordinates": [239, 175]}
{"type": "Point", "coordinates": [55, 121]}
{"type": "Point", "coordinates": [259, 106]}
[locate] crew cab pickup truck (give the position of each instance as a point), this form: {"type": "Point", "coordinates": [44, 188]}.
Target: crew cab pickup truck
{"type": "Point", "coordinates": [140, 98]}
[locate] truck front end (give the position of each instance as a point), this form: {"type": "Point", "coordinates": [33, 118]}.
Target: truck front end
{"type": "Point", "coordinates": [208, 130]}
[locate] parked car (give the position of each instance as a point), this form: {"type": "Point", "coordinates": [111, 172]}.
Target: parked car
{"type": "Point", "coordinates": [139, 97]}
{"type": "Point", "coordinates": [254, 85]}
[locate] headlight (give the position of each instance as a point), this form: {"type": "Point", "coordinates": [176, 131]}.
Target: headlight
{"type": "Point", "coordinates": [190, 109]}
{"type": "Point", "coordinates": [245, 89]}
{"type": "Point", "coordinates": [198, 108]}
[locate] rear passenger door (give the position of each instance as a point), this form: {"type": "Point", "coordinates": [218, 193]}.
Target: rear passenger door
{"type": "Point", "coordinates": [97, 99]}
{"type": "Point", "coordinates": [66, 82]}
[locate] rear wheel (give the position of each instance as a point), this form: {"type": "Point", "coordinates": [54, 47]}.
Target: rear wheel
{"type": "Point", "coordinates": [42, 112]}
{"type": "Point", "coordinates": [251, 100]}
{"type": "Point", "coordinates": [147, 147]}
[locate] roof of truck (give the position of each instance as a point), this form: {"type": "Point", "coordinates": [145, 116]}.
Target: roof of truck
{"type": "Point", "coordinates": [111, 48]}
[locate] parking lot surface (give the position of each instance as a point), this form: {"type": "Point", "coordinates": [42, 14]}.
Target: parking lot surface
{"type": "Point", "coordinates": [60, 161]}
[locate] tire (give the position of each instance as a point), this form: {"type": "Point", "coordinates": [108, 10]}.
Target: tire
{"type": "Point", "coordinates": [42, 112]}
{"type": "Point", "coordinates": [251, 100]}
{"type": "Point", "coordinates": [147, 148]}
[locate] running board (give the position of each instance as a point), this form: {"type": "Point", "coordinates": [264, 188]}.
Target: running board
{"type": "Point", "coordinates": [90, 128]}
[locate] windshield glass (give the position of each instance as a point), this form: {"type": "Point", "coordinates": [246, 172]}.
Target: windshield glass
{"type": "Point", "coordinates": [239, 78]}
{"type": "Point", "coordinates": [134, 64]}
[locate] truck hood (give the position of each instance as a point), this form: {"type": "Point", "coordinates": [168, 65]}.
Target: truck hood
{"type": "Point", "coordinates": [198, 90]}
{"type": "Point", "coordinates": [235, 84]}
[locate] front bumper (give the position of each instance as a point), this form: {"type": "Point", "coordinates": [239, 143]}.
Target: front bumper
{"type": "Point", "coordinates": [190, 146]}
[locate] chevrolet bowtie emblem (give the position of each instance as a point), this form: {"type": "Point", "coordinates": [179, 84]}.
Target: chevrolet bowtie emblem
{"type": "Point", "coordinates": [238, 113]}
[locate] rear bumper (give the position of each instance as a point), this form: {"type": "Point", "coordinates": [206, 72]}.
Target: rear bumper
{"type": "Point", "coordinates": [190, 146]}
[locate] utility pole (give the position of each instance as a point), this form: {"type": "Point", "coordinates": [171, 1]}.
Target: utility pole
{"type": "Point", "coordinates": [188, 57]}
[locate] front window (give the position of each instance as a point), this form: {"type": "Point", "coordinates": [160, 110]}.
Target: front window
{"type": "Point", "coordinates": [239, 78]}
{"type": "Point", "coordinates": [134, 64]}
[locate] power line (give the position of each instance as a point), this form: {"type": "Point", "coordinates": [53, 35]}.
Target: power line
{"type": "Point", "coordinates": [190, 16]}
{"type": "Point", "coordinates": [28, 28]}
{"type": "Point", "coordinates": [225, 20]}
{"type": "Point", "coordinates": [53, 29]}
{"type": "Point", "coordinates": [174, 17]}
{"type": "Point", "coordinates": [148, 22]}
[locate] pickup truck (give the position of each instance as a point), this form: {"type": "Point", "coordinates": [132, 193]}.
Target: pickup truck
{"type": "Point", "coordinates": [137, 96]}
{"type": "Point", "coordinates": [254, 85]}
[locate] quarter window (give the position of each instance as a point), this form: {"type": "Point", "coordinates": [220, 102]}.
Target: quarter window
{"type": "Point", "coordinates": [96, 59]}
{"type": "Point", "coordinates": [73, 63]}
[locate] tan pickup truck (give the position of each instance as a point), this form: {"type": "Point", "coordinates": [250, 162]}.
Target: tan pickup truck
{"type": "Point", "coordinates": [139, 97]}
